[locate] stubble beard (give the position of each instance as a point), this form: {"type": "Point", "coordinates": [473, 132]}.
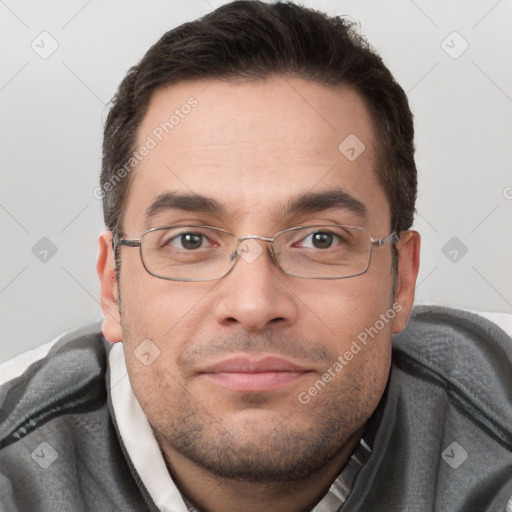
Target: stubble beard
{"type": "Point", "coordinates": [251, 451]}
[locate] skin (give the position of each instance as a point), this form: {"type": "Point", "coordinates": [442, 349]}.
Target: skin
{"type": "Point", "coordinates": [253, 146]}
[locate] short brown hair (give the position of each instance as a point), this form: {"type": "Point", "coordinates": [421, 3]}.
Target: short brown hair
{"type": "Point", "coordinates": [252, 39]}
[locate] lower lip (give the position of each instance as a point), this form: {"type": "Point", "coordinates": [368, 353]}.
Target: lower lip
{"type": "Point", "coordinates": [255, 382]}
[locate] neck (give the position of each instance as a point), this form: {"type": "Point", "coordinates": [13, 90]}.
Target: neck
{"type": "Point", "coordinates": [210, 493]}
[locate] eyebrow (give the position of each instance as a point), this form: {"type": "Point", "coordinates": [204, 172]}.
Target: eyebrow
{"type": "Point", "coordinates": [331, 199]}
{"type": "Point", "coordinates": [305, 203]}
{"type": "Point", "coordinates": [186, 202]}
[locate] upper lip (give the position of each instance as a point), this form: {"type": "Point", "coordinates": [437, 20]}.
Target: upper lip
{"type": "Point", "coordinates": [241, 364]}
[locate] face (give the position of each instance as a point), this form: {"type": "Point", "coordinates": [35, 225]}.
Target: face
{"type": "Point", "coordinates": [259, 375]}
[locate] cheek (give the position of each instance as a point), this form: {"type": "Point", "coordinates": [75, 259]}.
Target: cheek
{"type": "Point", "coordinates": [341, 309]}
{"type": "Point", "coordinates": [354, 318]}
{"type": "Point", "coordinates": [159, 320]}
{"type": "Point", "coordinates": [158, 307]}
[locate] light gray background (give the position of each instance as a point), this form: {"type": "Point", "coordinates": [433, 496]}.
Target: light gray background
{"type": "Point", "coordinates": [51, 113]}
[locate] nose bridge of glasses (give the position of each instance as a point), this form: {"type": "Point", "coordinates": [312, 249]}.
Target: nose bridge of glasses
{"type": "Point", "coordinates": [248, 253]}
{"type": "Point", "coordinates": [255, 237]}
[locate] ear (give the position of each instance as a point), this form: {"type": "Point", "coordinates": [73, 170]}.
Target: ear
{"type": "Point", "coordinates": [109, 289]}
{"type": "Point", "coordinates": [408, 266]}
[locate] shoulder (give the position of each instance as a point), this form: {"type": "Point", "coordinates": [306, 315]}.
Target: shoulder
{"type": "Point", "coordinates": [59, 448]}
{"type": "Point", "coordinates": [465, 355]}
{"type": "Point", "coordinates": [65, 375]}
{"type": "Point", "coordinates": [445, 339]}
{"type": "Point", "coordinates": [436, 332]}
{"type": "Point", "coordinates": [441, 436]}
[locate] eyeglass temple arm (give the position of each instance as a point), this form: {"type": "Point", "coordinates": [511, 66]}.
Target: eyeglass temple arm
{"type": "Point", "coordinates": [392, 238]}
{"type": "Point", "coordinates": [117, 241]}
{"type": "Point", "coordinates": [128, 243]}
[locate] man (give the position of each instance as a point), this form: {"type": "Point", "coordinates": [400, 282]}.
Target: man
{"type": "Point", "coordinates": [259, 187]}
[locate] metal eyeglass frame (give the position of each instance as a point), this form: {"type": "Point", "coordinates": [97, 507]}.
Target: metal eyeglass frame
{"type": "Point", "coordinates": [393, 237]}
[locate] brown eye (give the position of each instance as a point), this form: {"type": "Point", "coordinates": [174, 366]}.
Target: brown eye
{"type": "Point", "coordinates": [188, 241]}
{"type": "Point", "coordinates": [320, 240]}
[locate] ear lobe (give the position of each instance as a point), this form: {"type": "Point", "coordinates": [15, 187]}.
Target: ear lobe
{"type": "Point", "coordinates": [109, 294]}
{"type": "Point", "coordinates": [408, 266]}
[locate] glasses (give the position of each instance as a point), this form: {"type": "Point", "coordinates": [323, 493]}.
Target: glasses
{"type": "Point", "coordinates": [205, 253]}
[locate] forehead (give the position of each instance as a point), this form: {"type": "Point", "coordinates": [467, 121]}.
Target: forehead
{"type": "Point", "coordinates": [253, 145]}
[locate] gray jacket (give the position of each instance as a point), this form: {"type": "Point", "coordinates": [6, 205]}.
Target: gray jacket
{"type": "Point", "coordinates": [441, 437]}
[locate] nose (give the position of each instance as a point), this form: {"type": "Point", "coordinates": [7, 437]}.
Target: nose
{"type": "Point", "coordinates": [254, 294]}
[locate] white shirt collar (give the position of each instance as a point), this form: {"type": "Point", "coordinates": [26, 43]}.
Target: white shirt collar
{"type": "Point", "coordinates": [148, 461]}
